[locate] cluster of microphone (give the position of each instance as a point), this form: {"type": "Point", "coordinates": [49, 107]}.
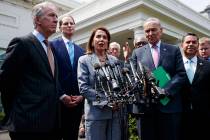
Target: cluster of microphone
{"type": "Point", "coordinates": [128, 85]}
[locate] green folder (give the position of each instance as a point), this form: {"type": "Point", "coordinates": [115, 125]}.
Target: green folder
{"type": "Point", "coordinates": [162, 78]}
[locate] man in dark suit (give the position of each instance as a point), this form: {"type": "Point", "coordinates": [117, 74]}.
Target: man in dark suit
{"type": "Point", "coordinates": [29, 81]}
{"type": "Point", "coordinates": [161, 122]}
{"type": "Point", "coordinates": [67, 54]}
{"type": "Point", "coordinates": [196, 122]}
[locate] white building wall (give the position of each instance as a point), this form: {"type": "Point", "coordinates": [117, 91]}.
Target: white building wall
{"type": "Point", "coordinates": [15, 21]}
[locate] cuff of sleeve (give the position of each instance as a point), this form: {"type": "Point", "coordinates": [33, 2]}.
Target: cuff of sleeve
{"type": "Point", "coordinates": [61, 97]}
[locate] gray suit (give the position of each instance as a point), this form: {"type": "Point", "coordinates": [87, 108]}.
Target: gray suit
{"type": "Point", "coordinates": [160, 121]}
{"type": "Point", "coordinates": [101, 122]}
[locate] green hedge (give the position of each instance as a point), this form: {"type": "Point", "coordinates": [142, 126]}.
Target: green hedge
{"type": "Point", "coordinates": [1, 115]}
{"type": "Point", "coordinates": [133, 133]}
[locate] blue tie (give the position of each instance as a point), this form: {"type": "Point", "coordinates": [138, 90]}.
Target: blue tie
{"type": "Point", "coordinates": [189, 70]}
{"type": "Point", "coordinates": [71, 52]}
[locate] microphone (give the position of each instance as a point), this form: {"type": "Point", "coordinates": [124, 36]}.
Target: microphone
{"type": "Point", "coordinates": [143, 77]}
{"type": "Point", "coordinates": [98, 82]}
{"type": "Point", "coordinates": [103, 67]}
{"type": "Point", "coordinates": [161, 93]}
{"type": "Point", "coordinates": [125, 72]}
{"type": "Point", "coordinates": [113, 76]}
{"type": "Point", "coordinates": [114, 70]}
{"type": "Point", "coordinates": [109, 70]}
{"type": "Point", "coordinates": [119, 70]}
{"type": "Point", "coordinates": [133, 70]}
{"type": "Point", "coordinates": [141, 68]}
{"type": "Point", "coordinates": [96, 66]}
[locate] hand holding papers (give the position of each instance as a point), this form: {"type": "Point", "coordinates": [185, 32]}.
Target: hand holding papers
{"type": "Point", "coordinates": [162, 78]}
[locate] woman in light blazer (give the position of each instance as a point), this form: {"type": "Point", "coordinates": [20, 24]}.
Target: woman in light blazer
{"type": "Point", "coordinates": [101, 121]}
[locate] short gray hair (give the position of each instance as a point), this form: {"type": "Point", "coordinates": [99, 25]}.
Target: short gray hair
{"type": "Point", "coordinates": [152, 19]}
{"type": "Point", "coordinates": [114, 45]}
{"type": "Point", "coordinates": [37, 10]}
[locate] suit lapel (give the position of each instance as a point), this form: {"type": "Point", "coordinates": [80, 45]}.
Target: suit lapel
{"type": "Point", "coordinates": [64, 54]}
{"type": "Point", "coordinates": [148, 58]}
{"type": "Point", "coordinates": [40, 50]}
{"type": "Point", "coordinates": [75, 56]}
{"type": "Point", "coordinates": [163, 52]}
{"type": "Point", "coordinates": [198, 70]}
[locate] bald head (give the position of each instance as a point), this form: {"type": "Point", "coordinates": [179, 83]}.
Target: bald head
{"type": "Point", "coordinates": [153, 30]}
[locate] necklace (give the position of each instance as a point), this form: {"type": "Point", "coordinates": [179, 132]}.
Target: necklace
{"type": "Point", "coordinates": [102, 59]}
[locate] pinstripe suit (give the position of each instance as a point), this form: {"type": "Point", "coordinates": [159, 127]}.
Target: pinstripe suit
{"type": "Point", "coordinates": [29, 90]}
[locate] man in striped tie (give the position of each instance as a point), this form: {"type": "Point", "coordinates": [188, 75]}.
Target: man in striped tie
{"type": "Point", "coordinates": [29, 81]}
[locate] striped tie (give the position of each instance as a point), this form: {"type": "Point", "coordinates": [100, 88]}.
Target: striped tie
{"type": "Point", "coordinates": [155, 55]}
{"type": "Point", "coordinates": [50, 56]}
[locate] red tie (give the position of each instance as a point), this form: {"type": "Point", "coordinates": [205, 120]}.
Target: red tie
{"type": "Point", "coordinates": [155, 55]}
{"type": "Point", "coordinates": [50, 56]}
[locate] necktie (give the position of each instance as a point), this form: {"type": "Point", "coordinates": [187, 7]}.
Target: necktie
{"type": "Point", "coordinates": [155, 55]}
{"type": "Point", "coordinates": [189, 70]}
{"type": "Point", "coordinates": [71, 52]}
{"type": "Point", "coordinates": [50, 56]}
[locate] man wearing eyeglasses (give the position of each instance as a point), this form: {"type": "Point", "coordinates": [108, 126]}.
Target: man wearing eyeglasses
{"type": "Point", "coordinates": [161, 121]}
{"type": "Point", "coordinates": [139, 41]}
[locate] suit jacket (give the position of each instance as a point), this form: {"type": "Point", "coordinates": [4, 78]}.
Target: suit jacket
{"type": "Point", "coordinates": [29, 90]}
{"type": "Point", "coordinates": [197, 95]}
{"type": "Point", "coordinates": [171, 60]}
{"type": "Point", "coordinates": [67, 74]}
{"type": "Point", "coordinates": [86, 81]}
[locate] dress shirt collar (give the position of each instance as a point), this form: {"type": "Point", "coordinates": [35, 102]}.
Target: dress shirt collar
{"type": "Point", "coordinates": [39, 36]}
{"type": "Point", "coordinates": [194, 59]}
{"type": "Point", "coordinates": [66, 40]}
{"type": "Point", "coordinates": [158, 44]}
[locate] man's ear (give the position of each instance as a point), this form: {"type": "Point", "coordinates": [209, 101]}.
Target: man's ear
{"type": "Point", "coordinates": [37, 20]}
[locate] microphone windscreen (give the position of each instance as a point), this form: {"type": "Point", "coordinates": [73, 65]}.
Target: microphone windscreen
{"type": "Point", "coordinates": [96, 66]}
{"type": "Point", "coordinates": [117, 63]}
{"type": "Point", "coordinates": [125, 70]}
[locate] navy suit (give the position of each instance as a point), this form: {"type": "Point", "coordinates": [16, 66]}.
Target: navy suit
{"type": "Point", "coordinates": [158, 123]}
{"type": "Point", "coordinates": [196, 103]}
{"type": "Point", "coordinates": [30, 93]}
{"type": "Point", "coordinates": [70, 117]}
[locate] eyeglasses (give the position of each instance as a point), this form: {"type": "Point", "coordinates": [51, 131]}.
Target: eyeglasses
{"type": "Point", "coordinates": [140, 44]}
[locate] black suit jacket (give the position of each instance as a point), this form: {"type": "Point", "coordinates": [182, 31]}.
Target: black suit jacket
{"type": "Point", "coordinates": [196, 102]}
{"type": "Point", "coordinates": [197, 95]}
{"type": "Point", "coordinates": [29, 90]}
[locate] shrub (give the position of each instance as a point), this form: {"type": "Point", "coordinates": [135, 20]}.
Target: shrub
{"type": "Point", "coordinates": [1, 116]}
{"type": "Point", "coordinates": [133, 133]}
